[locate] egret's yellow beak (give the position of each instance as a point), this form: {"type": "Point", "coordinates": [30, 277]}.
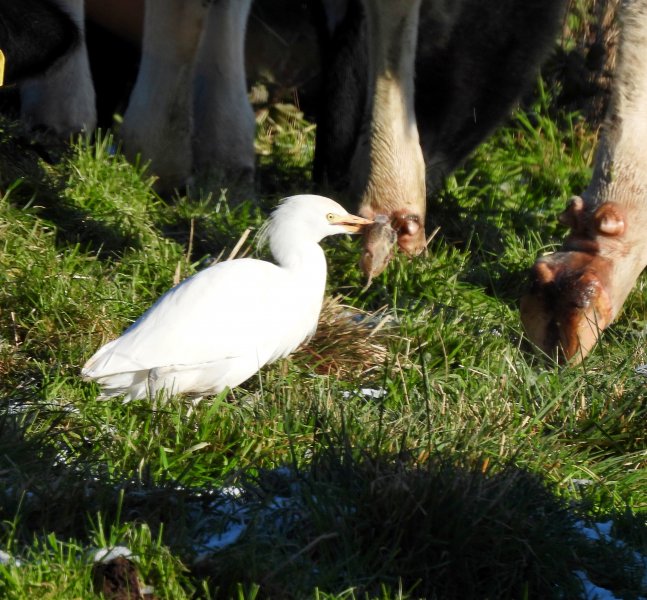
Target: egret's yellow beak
{"type": "Point", "coordinates": [351, 223]}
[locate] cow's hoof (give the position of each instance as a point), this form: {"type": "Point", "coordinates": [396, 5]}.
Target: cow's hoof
{"type": "Point", "coordinates": [568, 305]}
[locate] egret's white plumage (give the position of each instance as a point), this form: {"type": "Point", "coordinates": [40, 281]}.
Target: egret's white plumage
{"type": "Point", "coordinates": [217, 328]}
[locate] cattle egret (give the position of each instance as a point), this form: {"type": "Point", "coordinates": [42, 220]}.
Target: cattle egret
{"type": "Point", "coordinates": [219, 327]}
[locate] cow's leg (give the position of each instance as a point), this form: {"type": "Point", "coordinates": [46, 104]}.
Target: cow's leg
{"type": "Point", "coordinates": [63, 100]}
{"type": "Point", "coordinates": [388, 166]}
{"type": "Point", "coordinates": [224, 124]}
{"type": "Point", "coordinates": [158, 121]}
{"type": "Point", "coordinates": [579, 290]}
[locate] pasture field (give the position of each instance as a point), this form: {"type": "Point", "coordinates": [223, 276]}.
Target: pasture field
{"type": "Point", "coordinates": [423, 451]}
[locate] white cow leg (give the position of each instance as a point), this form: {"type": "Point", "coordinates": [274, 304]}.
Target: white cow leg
{"type": "Point", "coordinates": [158, 121]}
{"type": "Point", "coordinates": [63, 99]}
{"type": "Point", "coordinates": [579, 290]}
{"type": "Point", "coordinates": [388, 163]}
{"type": "Point", "coordinates": [224, 125]}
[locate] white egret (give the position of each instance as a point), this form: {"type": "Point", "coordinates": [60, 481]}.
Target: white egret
{"type": "Point", "coordinates": [220, 326]}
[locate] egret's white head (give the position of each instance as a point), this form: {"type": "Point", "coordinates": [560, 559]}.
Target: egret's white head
{"type": "Point", "coordinates": [307, 218]}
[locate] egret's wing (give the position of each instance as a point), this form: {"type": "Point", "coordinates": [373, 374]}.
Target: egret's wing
{"type": "Point", "coordinates": [231, 310]}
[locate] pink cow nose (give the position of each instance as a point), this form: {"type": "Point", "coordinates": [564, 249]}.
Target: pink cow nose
{"type": "Point", "coordinates": [411, 232]}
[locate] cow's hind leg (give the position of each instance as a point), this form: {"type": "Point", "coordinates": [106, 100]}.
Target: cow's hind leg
{"type": "Point", "coordinates": [224, 124]}
{"type": "Point", "coordinates": [576, 292]}
{"type": "Point", "coordinates": [158, 121]}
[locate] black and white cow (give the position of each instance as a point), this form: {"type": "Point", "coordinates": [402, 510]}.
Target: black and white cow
{"type": "Point", "coordinates": [410, 88]}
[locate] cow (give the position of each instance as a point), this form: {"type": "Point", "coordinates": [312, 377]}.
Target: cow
{"type": "Point", "coordinates": [34, 34]}
{"type": "Point", "coordinates": [410, 87]}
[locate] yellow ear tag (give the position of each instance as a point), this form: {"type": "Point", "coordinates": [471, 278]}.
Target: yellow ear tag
{"type": "Point", "coordinates": [1, 68]}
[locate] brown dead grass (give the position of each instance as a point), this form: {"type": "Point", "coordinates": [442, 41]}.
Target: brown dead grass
{"type": "Point", "coordinates": [349, 341]}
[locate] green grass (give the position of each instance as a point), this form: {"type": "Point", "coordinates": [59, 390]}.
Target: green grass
{"type": "Point", "coordinates": [465, 480]}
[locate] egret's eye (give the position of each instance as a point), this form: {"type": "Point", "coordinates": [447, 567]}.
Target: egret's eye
{"type": "Point", "coordinates": [330, 217]}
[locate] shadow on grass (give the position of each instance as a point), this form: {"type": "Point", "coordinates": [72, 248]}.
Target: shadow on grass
{"type": "Point", "coordinates": [33, 176]}
{"type": "Point", "coordinates": [349, 519]}
{"type": "Point", "coordinates": [435, 530]}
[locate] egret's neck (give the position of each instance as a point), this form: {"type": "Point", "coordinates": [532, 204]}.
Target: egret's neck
{"type": "Point", "coordinates": [305, 260]}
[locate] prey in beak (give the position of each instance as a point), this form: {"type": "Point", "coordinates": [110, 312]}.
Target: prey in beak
{"type": "Point", "coordinates": [379, 243]}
